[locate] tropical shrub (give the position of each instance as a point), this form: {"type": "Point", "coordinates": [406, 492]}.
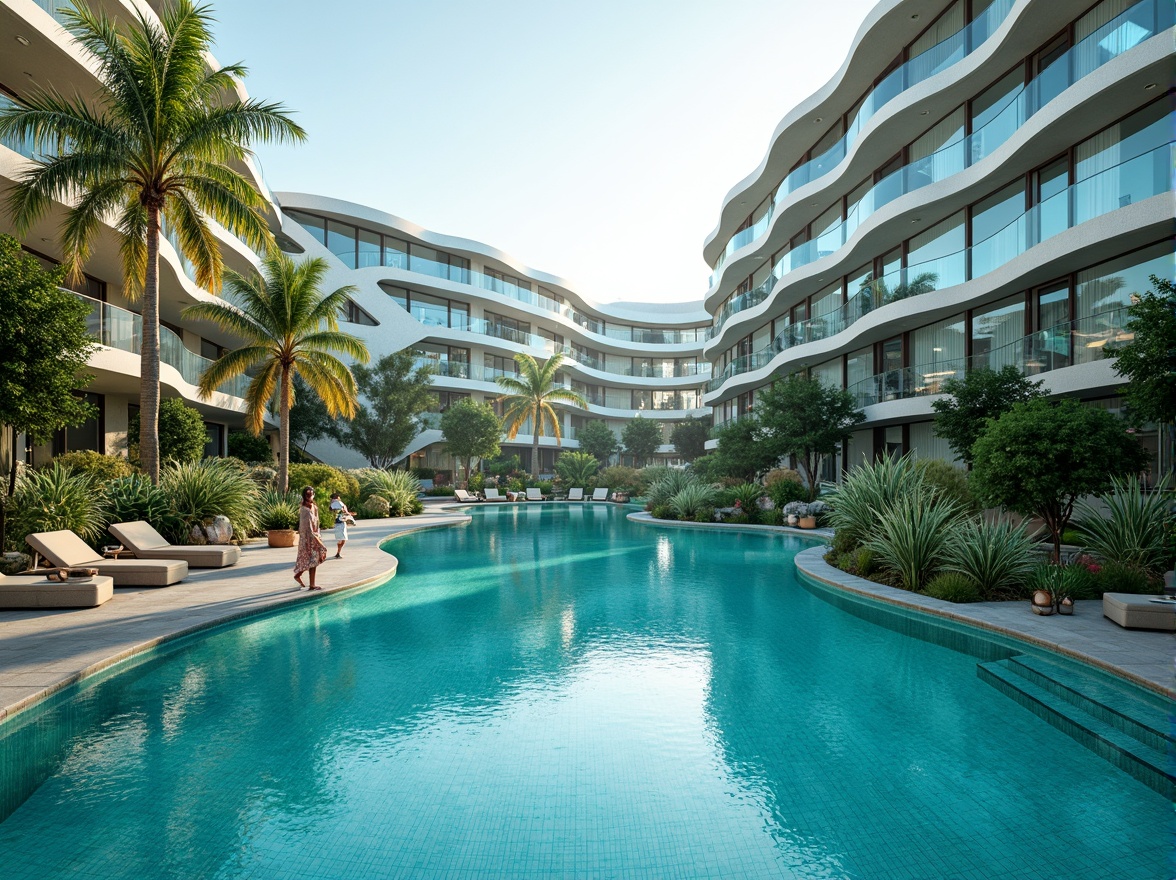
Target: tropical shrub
{"type": "Point", "coordinates": [182, 434]}
{"type": "Point", "coordinates": [748, 495]}
{"type": "Point", "coordinates": [278, 510]}
{"type": "Point", "coordinates": [786, 491]}
{"type": "Point", "coordinates": [440, 492]}
{"type": "Point", "coordinates": [772, 517]}
{"type": "Point", "coordinates": [399, 488]}
{"type": "Point", "coordinates": [691, 499]}
{"type": "Point", "coordinates": [668, 485]}
{"type": "Point", "coordinates": [1134, 531]}
{"type": "Point", "coordinates": [775, 475]}
{"type": "Point", "coordinates": [375, 506]}
{"type": "Point", "coordinates": [663, 511]}
{"type": "Point", "coordinates": [263, 475]}
{"type": "Point", "coordinates": [477, 482]}
{"type": "Point", "coordinates": [948, 482]}
{"type": "Point", "coordinates": [953, 586]}
{"type": "Point", "coordinates": [1124, 577]}
{"type": "Point", "coordinates": [705, 515]}
{"type": "Point", "coordinates": [1061, 581]}
{"type": "Point", "coordinates": [867, 491]}
{"type": "Point", "coordinates": [912, 535]}
{"type": "Point", "coordinates": [864, 561]}
{"type": "Point", "coordinates": [655, 472]}
{"type": "Point", "coordinates": [577, 468]}
{"type": "Point", "coordinates": [619, 478]}
{"type": "Point", "coordinates": [134, 497]}
{"type": "Point", "coordinates": [102, 468]}
{"type": "Point", "coordinates": [52, 499]}
{"type": "Point", "coordinates": [249, 447]}
{"type": "Point", "coordinates": [325, 480]}
{"type": "Point", "coordinates": [212, 487]}
{"type": "Point", "coordinates": [995, 556]}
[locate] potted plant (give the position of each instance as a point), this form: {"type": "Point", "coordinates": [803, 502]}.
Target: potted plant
{"type": "Point", "coordinates": [279, 518]}
{"type": "Point", "coordinates": [793, 510]}
{"type": "Point", "coordinates": [807, 518]}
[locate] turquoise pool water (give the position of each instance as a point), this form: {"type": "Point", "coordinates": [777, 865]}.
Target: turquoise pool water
{"type": "Point", "coordinates": [556, 692]}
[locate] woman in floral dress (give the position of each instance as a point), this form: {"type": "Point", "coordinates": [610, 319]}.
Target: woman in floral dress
{"type": "Point", "coordinates": [312, 552]}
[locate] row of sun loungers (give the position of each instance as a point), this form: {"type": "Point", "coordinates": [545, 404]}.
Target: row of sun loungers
{"type": "Point", "coordinates": [576, 494]}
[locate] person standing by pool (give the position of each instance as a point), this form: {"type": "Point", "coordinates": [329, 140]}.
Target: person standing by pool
{"type": "Point", "coordinates": [312, 552]}
{"type": "Point", "coordinates": [343, 517]}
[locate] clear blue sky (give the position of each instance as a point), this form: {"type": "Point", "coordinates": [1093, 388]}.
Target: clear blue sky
{"type": "Point", "coordinates": [593, 140]}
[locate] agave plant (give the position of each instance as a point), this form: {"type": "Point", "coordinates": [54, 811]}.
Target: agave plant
{"type": "Point", "coordinates": [1133, 532]}
{"type": "Point", "coordinates": [668, 485]}
{"type": "Point", "coordinates": [994, 555]}
{"type": "Point", "coordinates": [135, 497]}
{"type": "Point", "coordinates": [867, 492]}
{"type": "Point", "coordinates": [56, 498]}
{"type": "Point", "coordinates": [213, 487]}
{"type": "Point", "coordinates": [912, 535]}
{"type": "Point", "coordinates": [693, 498]}
{"type": "Point", "coordinates": [278, 510]}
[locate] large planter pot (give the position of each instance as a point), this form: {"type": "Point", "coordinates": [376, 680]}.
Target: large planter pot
{"type": "Point", "coordinates": [807, 522]}
{"type": "Point", "coordinates": [281, 537]}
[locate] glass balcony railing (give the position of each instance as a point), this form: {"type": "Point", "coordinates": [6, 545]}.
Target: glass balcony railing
{"type": "Point", "coordinates": [1132, 180]}
{"type": "Point", "coordinates": [1127, 30]}
{"type": "Point", "coordinates": [123, 330]}
{"type": "Point", "coordinates": [1063, 345]}
{"type": "Point", "coordinates": [923, 66]}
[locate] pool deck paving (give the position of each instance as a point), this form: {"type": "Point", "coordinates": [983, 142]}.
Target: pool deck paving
{"type": "Point", "coordinates": [45, 650]}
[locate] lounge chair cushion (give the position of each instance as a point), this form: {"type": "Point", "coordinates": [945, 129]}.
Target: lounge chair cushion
{"type": "Point", "coordinates": [492, 495]}
{"type": "Point", "coordinates": [535, 495]}
{"type": "Point", "coordinates": [575, 495]}
{"type": "Point", "coordinates": [1132, 611]}
{"type": "Point", "coordinates": [34, 591]}
{"type": "Point", "coordinates": [146, 543]}
{"type": "Point", "coordinates": [64, 549]}
{"type": "Point", "coordinates": [600, 495]}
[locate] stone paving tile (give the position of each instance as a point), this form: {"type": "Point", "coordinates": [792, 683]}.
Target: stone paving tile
{"type": "Point", "coordinates": [42, 651]}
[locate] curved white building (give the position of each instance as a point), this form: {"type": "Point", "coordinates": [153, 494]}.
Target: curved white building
{"type": "Point", "coordinates": [991, 193]}
{"type": "Point", "coordinates": [470, 308]}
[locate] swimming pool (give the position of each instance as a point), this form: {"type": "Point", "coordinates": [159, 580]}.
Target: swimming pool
{"type": "Point", "coordinates": [554, 691]}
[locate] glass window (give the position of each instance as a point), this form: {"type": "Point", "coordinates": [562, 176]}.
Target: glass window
{"type": "Point", "coordinates": [316, 226]}
{"type": "Point", "coordinates": [936, 257]}
{"type": "Point", "coordinates": [432, 311]}
{"type": "Point", "coordinates": [859, 367]}
{"type": "Point", "coordinates": [395, 253]}
{"type": "Point", "coordinates": [1123, 164]}
{"type": "Point", "coordinates": [398, 294]}
{"type": "Point", "coordinates": [937, 352]}
{"type": "Point", "coordinates": [341, 242]}
{"type": "Point", "coordinates": [459, 315]}
{"type": "Point", "coordinates": [427, 261]}
{"type": "Point", "coordinates": [827, 230]}
{"type": "Point", "coordinates": [640, 398]}
{"type": "Point", "coordinates": [934, 42]}
{"type": "Point", "coordinates": [996, 114]}
{"type": "Point", "coordinates": [1105, 291]}
{"type": "Point", "coordinates": [1051, 344]}
{"type": "Point", "coordinates": [997, 237]}
{"type": "Point", "coordinates": [369, 248]}
{"type": "Point", "coordinates": [665, 400]}
{"type": "Point", "coordinates": [828, 373]}
{"type": "Point", "coordinates": [88, 435]}
{"type": "Point", "coordinates": [997, 331]}
{"type": "Point", "coordinates": [690, 398]}
{"type": "Point", "coordinates": [931, 156]}
{"type": "Point", "coordinates": [1051, 194]}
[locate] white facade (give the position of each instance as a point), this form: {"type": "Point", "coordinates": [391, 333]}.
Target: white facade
{"type": "Point", "coordinates": [991, 193]}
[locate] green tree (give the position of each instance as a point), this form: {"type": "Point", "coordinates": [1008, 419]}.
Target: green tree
{"type": "Point", "coordinates": [158, 144]}
{"type": "Point", "coordinates": [803, 416]}
{"type": "Point", "coordinates": [741, 451]}
{"type": "Point", "coordinates": [597, 439]}
{"type": "Point", "coordinates": [1040, 457]}
{"type": "Point", "coordinates": [982, 394]}
{"type": "Point", "coordinates": [250, 448]}
{"type": "Point", "coordinates": [471, 430]}
{"type": "Point", "coordinates": [182, 434]}
{"type": "Point", "coordinates": [529, 397]}
{"type": "Point", "coordinates": [641, 438]}
{"type": "Point", "coordinates": [689, 437]}
{"type": "Point", "coordinates": [396, 392]}
{"type": "Point", "coordinates": [576, 468]}
{"type": "Point", "coordinates": [290, 329]}
{"type": "Point", "coordinates": [1149, 359]}
{"type": "Point", "coordinates": [46, 345]}
{"type": "Point", "coordinates": [309, 417]}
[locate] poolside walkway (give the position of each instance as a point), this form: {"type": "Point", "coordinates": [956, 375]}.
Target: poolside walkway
{"type": "Point", "coordinates": [44, 650]}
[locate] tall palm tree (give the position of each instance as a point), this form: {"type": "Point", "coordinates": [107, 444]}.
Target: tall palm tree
{"type": "Point", "coordinates": [529, 396]}
{"type": "Point", "coordinates": [290, 329]}
{"type": "Point", "coordinates": [155, 145]}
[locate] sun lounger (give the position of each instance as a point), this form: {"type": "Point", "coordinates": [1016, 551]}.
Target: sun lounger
{"type": "Point", "coordinates": [35, 591]}
{"type": "Point", "coordinates": [465, 497]}
{"type": "Point", "coordinates": [146, 543]}
{"type": "Point", "coordinates": [575, 494]}
{"type": "Point", "coordinates": [492, 495]}
{"type": "Point", "coordinates": [600, 495]}
{"type": "Point", "coordinates": [535, 495]}
{"type": "Point", "coordinates": [64, 549]}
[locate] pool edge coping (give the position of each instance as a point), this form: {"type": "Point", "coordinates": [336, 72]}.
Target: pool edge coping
{"type": "Point", "coordinates": [282, 601]}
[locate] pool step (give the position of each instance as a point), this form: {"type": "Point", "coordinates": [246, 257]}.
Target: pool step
{"type": "Point", "coordinates": [1130, 730]}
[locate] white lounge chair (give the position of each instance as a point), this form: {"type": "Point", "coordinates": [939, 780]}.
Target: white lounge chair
{"type": "Point", "coordinates": [465, 497]}
{"type": "Point", "coordinates": [600, 495]}
{"type": "Point", "coordinates": [146, 543]}
{"type": "Point", "coordinates": [64, 549]}
{"type": "Point", "coordinates": [34, 591]}
{"type": "Point", "coordinates": [576, 494]}
{"type": "Point", "coordinates": [533, 494]}
{"type": "Point", "coordinates": [492, 495]}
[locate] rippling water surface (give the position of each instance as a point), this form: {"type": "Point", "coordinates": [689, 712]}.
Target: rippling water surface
{"type": "Point", "coordinates": [556, 692]}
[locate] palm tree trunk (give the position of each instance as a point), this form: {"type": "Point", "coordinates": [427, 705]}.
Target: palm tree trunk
{"type": "Point", "coordinates": [149, 355]}
{"type": "Point", "coordinates": [535, 444]}
{"type": "Point", "coordinates": [284, 432]}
